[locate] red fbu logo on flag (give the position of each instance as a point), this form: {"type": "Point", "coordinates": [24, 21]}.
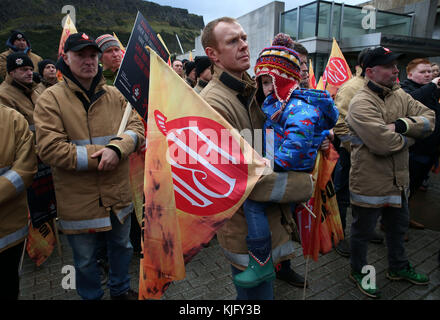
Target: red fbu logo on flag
{"type": "Point", "coordinates": [336, 72]}
{"type": "Point", "coordinates": [208, 167]}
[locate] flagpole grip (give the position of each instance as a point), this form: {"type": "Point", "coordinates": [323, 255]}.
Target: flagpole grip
{"type": "Point", "coordinates": [124, 119]}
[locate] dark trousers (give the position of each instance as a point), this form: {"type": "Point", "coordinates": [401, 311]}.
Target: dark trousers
{"type": "Point", "coordinates": [395, 221]}
{"type": "Point", "coordinates": [341, 182]}
{"type": "Point", "coordinates": [9, 279]}
{"type": "Point", "coordinates": [419, 167]}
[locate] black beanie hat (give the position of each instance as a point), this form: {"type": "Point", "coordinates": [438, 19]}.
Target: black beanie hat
{"type": "Point", "coordinates": [18, 59]}
{"type": "Point", "coordinates": [202, 63]}
{"type": "Point", "coordinates": [43, 64]}
{"type": "Point", "coordinates": [189, 67]}
{"type": "Point", "coordinates": [16, 35]}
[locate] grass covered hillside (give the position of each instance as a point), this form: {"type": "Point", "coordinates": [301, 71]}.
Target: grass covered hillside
{"type": "Point", "coordinates": [41, 20]}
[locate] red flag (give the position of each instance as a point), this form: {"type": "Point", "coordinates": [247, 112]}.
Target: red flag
{"type": "Point", "coordinates": [320, 233]}
{"type": "Point", "coordinates": [312, 78]}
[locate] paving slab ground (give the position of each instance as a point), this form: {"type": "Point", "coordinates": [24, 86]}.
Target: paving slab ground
{"type": "Point", "coordinates": [208, 275]}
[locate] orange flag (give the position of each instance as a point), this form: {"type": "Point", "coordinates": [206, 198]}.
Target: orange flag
{"type": "Point", "coordinates": [321, 233]}
{"type": "Point", "coordinates": [312, 78]}
{"type": "Point", "coordinates": [68, 29]}
{"type": "Point", "coordinates": [198, 172]}
{"type": "Point", "coordinates": [41, 243]}
{"type": "Point", "coordinates": [337, 70]}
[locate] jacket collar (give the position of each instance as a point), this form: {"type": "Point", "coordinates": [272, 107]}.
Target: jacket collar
{"type": "Point", "coordinates": [381, 90]}
{"type": "Point", "coordinates": [202, 83]}
{"type": "Point", "coordinates": [244, 87]}
{"type": "Point", "coordinates": [75, 85]}
{"type": "Point", "coordinates": [26, 89]}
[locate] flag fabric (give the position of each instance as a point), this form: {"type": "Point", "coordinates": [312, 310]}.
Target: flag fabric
{"type": "Point", "coordinates": [40, 243]}
{"type": "Point", "coordinates": [312, 78]}
{"type": "Point", "coordinates": [136, 175]}
{"type": "Point", "coordinates": [68, 29]}
{"type": "Point", "coordinates": [318, 235]}
{"type": "Point", "coordinates": [198, 173]}
{"type": "Point", "coordinates": [190, 56]}
{"type": "Point", "coordinates": [320, 85]}
{"type": "Point", "coordinates": [337, 70]}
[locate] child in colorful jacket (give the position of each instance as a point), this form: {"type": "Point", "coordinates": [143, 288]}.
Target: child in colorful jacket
{"type": "Point", "coordinates": [300, 120]}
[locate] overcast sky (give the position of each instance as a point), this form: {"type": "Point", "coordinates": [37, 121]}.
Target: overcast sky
{"type": "Point", "coordinates": [212, 9]}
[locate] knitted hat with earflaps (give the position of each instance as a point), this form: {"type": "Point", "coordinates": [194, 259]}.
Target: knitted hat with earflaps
{"type": "Point", "coordinates": [282, 64]}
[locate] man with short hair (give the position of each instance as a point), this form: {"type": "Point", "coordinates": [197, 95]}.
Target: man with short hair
{"type": "Point", "coordinates": [77, 121]}
{"type": "Point", "coordinates": [203, 72]}
{"type": "Point", "coordinates": [190, 74]}
{"type": "Point", "coordinates": [383, 122]}
{"type": "Point", "coordinates": [18, 164]}
{"type": "Point", "coordinates": [17, 42]}
{"type": "Point", "coordinates": [48, 75]}
{"type": "Point", "coordinates": [18, 90]}
{"type": "Point", "coordinates": [304, 66]}
{"type": "Point", "coordinates": [424, 153]}
{"type": "Point", "coordinates": [178, 67]}
{"type": "Point", "coordinates": [111, 57]}
{"type": "Point", "coordinates": [232, 93]}
{"type": "Point", "coordinates": [342, 170]}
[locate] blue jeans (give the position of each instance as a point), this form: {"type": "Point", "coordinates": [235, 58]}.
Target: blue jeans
{"type": "Point", "coordinates": [256, 219]}
{"type": "Point", "coordinates": [262, 292]}
{"type": "Point", "coordinates": [85, 248]}
{"type": "Point", "coordinates": [395, 221]}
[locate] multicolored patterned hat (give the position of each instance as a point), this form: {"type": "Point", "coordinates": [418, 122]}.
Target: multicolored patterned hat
{"type": "Point", "coordinates": [282, 64]}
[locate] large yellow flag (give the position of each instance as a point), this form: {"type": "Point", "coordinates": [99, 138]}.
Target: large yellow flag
{"type": "Point", "coordinates": [337, 71]}
{"type": "Point", "coordinates": [198, 172]}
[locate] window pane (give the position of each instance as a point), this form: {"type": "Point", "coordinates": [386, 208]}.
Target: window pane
{"type": "Point", "coordinates": [324, 19]}
{"type": "Point", "coordinates": [289, 23]}
{"type": "Point", "coordinates": [307, 21]}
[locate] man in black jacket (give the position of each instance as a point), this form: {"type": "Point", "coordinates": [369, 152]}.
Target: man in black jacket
{"type": "Point", "coordinates": [424, 153]}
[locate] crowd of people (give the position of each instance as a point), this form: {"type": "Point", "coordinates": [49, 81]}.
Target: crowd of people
{"type": "Point", "coordinates": [387, 136]}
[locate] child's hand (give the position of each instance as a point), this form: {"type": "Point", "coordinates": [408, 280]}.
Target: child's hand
{"type": "Point", "coordinates": [267, 162]}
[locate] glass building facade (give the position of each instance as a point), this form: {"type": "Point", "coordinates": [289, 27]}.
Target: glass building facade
{"type": "Point", "coordinates": [327, 20]}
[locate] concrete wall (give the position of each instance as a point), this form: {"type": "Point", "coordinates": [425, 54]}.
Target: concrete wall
{"type": "Point", "coordinates": [261, 25]}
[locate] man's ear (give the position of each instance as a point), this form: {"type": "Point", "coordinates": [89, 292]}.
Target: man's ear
{"type": "Point", "coordinates": [212, 54]}
{"type": "Point", "coordinates": [65, 58]}
{"type": "Point", "coordinates": [409, 75]}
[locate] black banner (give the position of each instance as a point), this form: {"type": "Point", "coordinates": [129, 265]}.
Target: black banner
{"type": "Point", "coordinates": [41, 196]}
{"type": "Point", "coordinates": [134, 73]}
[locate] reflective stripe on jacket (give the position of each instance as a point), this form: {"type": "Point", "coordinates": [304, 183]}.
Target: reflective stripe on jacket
{"type": "Point", "coordinates": [18, 164]}
{"type": "Point", "coordinates": [379, 157]}
{"type": "Point", "coordinates": [235, 100]}
{"type": "Point", "coordinates": [67, 136]}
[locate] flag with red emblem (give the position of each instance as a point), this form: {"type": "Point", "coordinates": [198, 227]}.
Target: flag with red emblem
{"type": "Point", "coordinates": [198, 173]}
{"type": "Point", "coordinates": [337, 71]}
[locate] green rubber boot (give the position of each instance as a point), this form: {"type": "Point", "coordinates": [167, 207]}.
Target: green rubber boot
{"type": "Point", "coordinates": [260, 267]}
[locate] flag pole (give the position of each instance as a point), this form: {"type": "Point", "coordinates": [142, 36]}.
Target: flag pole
{"type": "Point", "coordinates": [124, 119]}
{"type": "Point", "coordinates": [55, 229]}
{"type": "Point", "coordinates": [23, 251]}
{"type": "Point", "coordinates": [305, 277]}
